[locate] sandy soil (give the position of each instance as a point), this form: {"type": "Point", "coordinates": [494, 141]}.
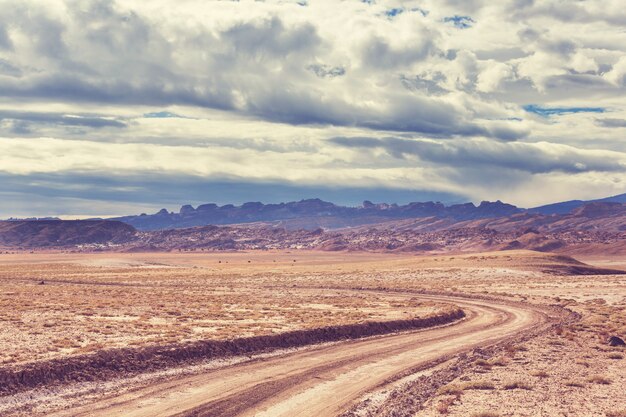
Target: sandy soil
{"type": "Point", "coordinates": [318, 382]}
{"type": "Point", "coordinates": [89, 303]}
{"type": "Point", "coordinates": [298, 289]}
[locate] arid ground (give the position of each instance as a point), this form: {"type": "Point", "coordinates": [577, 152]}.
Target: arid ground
{"type": "Point", "coordinates": [279, 333]}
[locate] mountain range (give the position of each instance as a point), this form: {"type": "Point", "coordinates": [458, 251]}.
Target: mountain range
{"type": "Point", "coordinates": [314, 213]}
{"type": "Point", "coordinates": [593, 228]}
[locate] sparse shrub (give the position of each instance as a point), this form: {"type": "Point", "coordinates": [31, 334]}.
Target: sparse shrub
{"type": "Point", "coordinates": [483, 362]}
{"type": "Point", "coordinates": [583, 363]}
{"type": "Point", "coordinates": [619, 413]}
{"type": "Point", "coordinates": [486, 414]}
{"type": "Point", "coordinates": [616, 356]}
{"type": "Point", "coordinates": [577, 384]}
{"type": "Point", "coordinates": [540, 373]}
{"type": "Point", "coordinates": [599, 379]}
{"type": "Point", "coordinates": [450, 389]}
{"type": "Point", "coordinates": [517, 385]}
{"type": "Point", "coordinates": [499, 361]}
{"type": "Point", "coordinates": [443, 406]}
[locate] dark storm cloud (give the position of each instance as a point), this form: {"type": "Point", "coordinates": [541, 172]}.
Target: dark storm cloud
{"type": "Point", "coordinates": [404, 113]}
{"type": "Point", "coordinates": [5, 41]}
{"type": "Point", "coordinates": [6, 68]}
{"type": "Point", "coordinates": [149, 92]}
{"type": "Point", "coordinates": [270, 37]}
{"type": "Point", "coordinates": [379, 53]}
{"type": "Point", "coordinates": [529, 157]}
{"type": "Point", "coordinates": [173, 191]}
{"type": "Point", "coordinates": [612, 123]}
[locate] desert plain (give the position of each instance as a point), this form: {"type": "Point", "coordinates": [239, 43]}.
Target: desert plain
{"type": "Point", "coordinates": [523, 334]}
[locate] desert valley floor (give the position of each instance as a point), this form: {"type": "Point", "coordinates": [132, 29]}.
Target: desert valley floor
{"type": "Point", "coordinates": [285, 333]}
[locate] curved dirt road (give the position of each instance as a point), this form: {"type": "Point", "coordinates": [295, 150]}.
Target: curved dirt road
{"type": "Point", "coordinates": [322, 381]}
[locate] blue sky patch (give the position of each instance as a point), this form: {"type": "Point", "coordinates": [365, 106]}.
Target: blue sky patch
{"type": "Point", "coordinates": [394, 12]}
{"type": "Point", "coordinates": [461, 22]}
{"type": "Point", "coordinates": [552, 111]}
{"type": "Point", "coordinates": [162, 115]}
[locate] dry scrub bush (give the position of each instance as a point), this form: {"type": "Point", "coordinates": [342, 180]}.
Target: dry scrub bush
{"type": "Point", "coordinates": [443, 406]}
{"type": "Point", "coordinates": [581, 362]}
{"type": "Point", "coordinates": [486, 414]}
{"type": "Point", "coordinates": [599, 379]}
{"type": "Point", "coordinates": [619, 413]}
{"type": "Point", "coordinates": [517, 385]}
{"type": "Point", "coordinates": [450, 389]}
{"type": "Point", "coordinates": [540, 374]}
{"type": "Point", "coordinates": [577, 384]}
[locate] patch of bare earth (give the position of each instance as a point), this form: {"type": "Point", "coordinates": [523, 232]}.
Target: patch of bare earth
{"type": "Point", "coordinates": [90, 302]}
{"type": "Point", "coordinates": [569, 370]}
{"type": "Point", "coordinates": [550, 375]}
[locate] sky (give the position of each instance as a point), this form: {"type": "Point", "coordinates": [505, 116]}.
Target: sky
{"type": "Point", "coordinates": [121, 107]}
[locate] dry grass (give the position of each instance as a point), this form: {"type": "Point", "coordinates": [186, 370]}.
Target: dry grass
{"type": "Point", "coordinates": [87, 305]}
{"type": "Point", "coordinates": [599, 379]}
{"type": "Point", "coordinates": [516, 385]}
{"type": "Point", "coordinates": [123, 302]}
{"type": "Point", "coordinates": [485, 414]}
{"type": "Point", "coordinates": [540, 373]}
{"type": "Point", "coordinates": [574, 383]}
{"type": "Point", "coordinates": [450, 389]}
{"type": "Point", "coordinates": [488, 363]}
{"type": "Point", "coordinates": [443, 406]}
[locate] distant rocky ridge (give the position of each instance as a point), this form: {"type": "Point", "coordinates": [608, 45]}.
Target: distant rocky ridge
{"type": "Point", "coordinates": [567, 206]}
{"type": "Point", "coordinates": [313, 213]}
{"type": "Point", "coordinates": [592, 228]}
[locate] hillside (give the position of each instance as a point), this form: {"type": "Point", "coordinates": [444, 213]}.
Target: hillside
{"type": "Point", "coordinates": [567, 206]}
{"type": "Point", "coordinates": [60, 233]}
{"type": "Point", "coordinates": [592, 228]}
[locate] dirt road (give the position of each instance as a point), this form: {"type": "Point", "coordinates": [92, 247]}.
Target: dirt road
{"type": "Point", "coordinates": [321, 381]}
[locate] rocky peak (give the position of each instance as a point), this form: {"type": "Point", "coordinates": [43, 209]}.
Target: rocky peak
{"type": "Point", "coordinates": [187, 209]}
{"type": "Point", "coordinates": [207, 207]}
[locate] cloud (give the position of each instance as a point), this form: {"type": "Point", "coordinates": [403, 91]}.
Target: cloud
{"type": "Point", "coordinates": [61, 119]}
{"type": "Point", "coordinates": [608, 122]}
{"type": "Point", "coordinates": [617, 74]}
{"type": "Point", "coordinates": [533, 158]}
{"type": "Point", "coordinates": [447, 95]}
{"type": "Point", "coordinates": [104, 52]}
{"type": "Point", "coordinates": [326, 71]}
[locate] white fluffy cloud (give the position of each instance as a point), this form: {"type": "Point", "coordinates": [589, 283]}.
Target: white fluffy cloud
{"type": "Point", "coordinates": [258, 90]}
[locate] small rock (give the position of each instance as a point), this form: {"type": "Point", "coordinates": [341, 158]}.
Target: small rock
{"type": "Point", "coordinates": [616, 341]}
{"type": "Point", "coordinates": [43, 283]}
